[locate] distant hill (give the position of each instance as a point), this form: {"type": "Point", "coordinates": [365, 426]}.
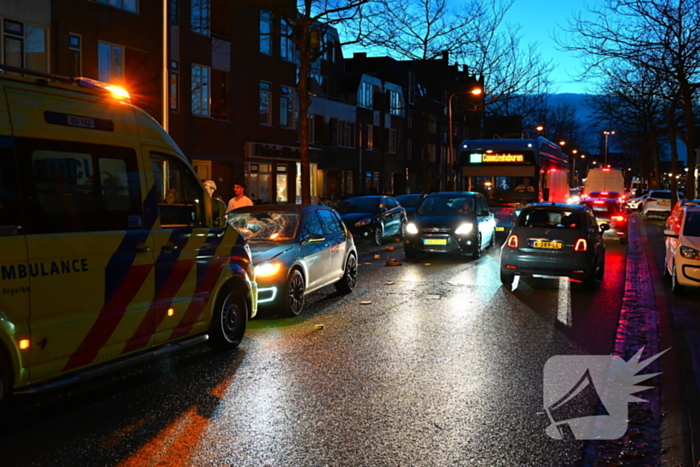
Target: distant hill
{"type": "Point", "coordinates": [583, 113]}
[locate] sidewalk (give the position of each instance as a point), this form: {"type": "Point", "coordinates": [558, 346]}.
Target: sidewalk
{"type": "Point", "coordinates": [655, 429]}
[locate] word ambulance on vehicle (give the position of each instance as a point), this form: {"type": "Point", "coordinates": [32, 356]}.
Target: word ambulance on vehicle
{"type": "Point", "coordinates": [97, 269]}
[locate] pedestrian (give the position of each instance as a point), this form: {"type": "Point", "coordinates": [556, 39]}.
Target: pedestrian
{"type": "Point", "coordinates": [210, 186]}
{"type": "Point", "coordinates": [240, 199]}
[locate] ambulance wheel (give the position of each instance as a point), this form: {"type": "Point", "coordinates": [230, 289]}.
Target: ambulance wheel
{"type": "Point", "coordinates": [229, 320]}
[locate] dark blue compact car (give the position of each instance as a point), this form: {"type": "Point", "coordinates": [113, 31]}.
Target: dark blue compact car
{"type": "Point", "coordinates": [373, 217]}
{"type": "Point", "coordinates": [296, 249]}
{"type": "Point", "coordinates": [451, 222]}
{"type": "Point", "coordinates": [555, 239]}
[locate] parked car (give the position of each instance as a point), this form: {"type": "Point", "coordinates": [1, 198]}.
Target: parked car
{"type": "Point", "coordinates": [451, 222]}
{"type": "Point", "coordinates": [410, 203]}
{"type": "Point", "coordinates": [373, 217]}
{"type": "Point", "coordinates": [675, 217]}
{"type": "Point", "coordinates": [658, 203]}
{"type": "Point", "coordinates": [682, 261]}
{"type": "Point", "coordinates": [556, 240]}
{"type": "Point", "coordinates": [635, 204]}
{"type": "Point", "coordinates": [607, 211]}
{"type": "Point", "coordinates": [297, 249]}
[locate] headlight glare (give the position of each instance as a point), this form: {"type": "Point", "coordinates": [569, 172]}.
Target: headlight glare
{"type": "Point", "coordinates": [411, 228]}
{"type": "Point", "coordinates": [464, 228]}
{"type": "Point", "coordinates": [267, 269]}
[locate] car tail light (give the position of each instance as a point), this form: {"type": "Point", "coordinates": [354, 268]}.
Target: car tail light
{"type": "Point", "coordinates": [618, 218]}
{"type": "Point", "coordinates": [581, 245]}
{"type": "Point", "coordinates": [606, 169]}
{"type": "Point", "coordinates": [513, 241]}
{"type": "Point", "coordinates": [604, 194]}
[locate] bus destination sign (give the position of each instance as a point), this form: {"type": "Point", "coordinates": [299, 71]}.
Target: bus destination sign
{"type": "Point", "coordinates": [478, 158]}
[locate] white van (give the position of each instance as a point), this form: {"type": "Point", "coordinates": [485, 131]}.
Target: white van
{"type": "Point", "coordinates": [604, 179]}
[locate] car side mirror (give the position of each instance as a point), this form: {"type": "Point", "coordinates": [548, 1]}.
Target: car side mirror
{"type": "Point", "coordinates": [218, 213]}
{"type": "Point", "coordinates": [604, 227]}
{"type": "Point", "coordinates": [314, 237]}
{"type": "Point", "coordinates": [670, 233]}
{"type": "Point", "coordinates": [383, 209]}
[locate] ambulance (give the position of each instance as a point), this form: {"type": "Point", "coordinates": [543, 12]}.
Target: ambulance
{"type": "Point", "coordinates": [111, 250]}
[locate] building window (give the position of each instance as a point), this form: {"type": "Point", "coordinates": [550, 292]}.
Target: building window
{"type": "Point", "coordinates": [174, 86]}
{"type": "Point", "coordinates": [409, 150]}
{"type": "Point", "coordinates": [392, 140]}
{"type": "Point", "coordinates": [110, 62]}
{"type": "Point", "coordinates": [265, 103]}
{"type": "Point", "coordinates": [74, 55]}
{"type": "Point", "coordinates": [201, 16]}
{"type": "Point", "coordinates": [432, 123]}
{"type": "Point", "coordinates": [346, 134]}
{"type": "Point", "coordinates": [370, 136]}
{"type": "Point", "coordinates": [266, 32]}
{"type": "Point", "coordinates": [128, 5]}
{"type": "Point", "coordinates": [286, 43]}
{"type": "Point", "coordinates": [365, 96]}
{"type": "Point", "coordinates": [431, 152]}
{"type": "Point", "coordinates": [219, 93]}
{"type": "Point", "coordinates": [200, 90]}
{"type": "Point", "coordinates": [395, 103]}
{"type": "Point", "coordinates": [174, 12]}
{"type": "Point", "coordinates": [411, 88]}
{"type": "Point", "coordinates": [311, 119]}
{"type": "Point", "coordinates": [286, 107]}
{"type": "Point", "coordinates": [409, 119]}
{"type": "Point", "coordinates": [24, 45]}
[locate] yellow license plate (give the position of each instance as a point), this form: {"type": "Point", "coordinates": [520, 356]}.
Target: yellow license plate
{"type": "Point", "coordinates": [500, 229]}
{"type": "Point", "coordinates": [664, 203]}
{"type": "Point", "coordinates": [435, 241]}
{"type": "Point", "coordinates": [547, 245]}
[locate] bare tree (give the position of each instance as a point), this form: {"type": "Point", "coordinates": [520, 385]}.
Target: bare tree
{"type": "Point", "coordinates": [659, 35]}
{"type": "Point", "coordinates": [305, 23]}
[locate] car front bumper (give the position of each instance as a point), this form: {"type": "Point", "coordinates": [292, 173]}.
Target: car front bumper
{"type": "Point", "coordinates": [688, 272]}
{"type": "Point", "coordinates": [442, 242]}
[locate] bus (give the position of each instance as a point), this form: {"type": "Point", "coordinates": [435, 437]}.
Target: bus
{"type": "Point", "coordinates": [513, 173]}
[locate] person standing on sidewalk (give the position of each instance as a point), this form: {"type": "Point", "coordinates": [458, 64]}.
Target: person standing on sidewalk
{"type": "Point", "coordinates": [240, 199]}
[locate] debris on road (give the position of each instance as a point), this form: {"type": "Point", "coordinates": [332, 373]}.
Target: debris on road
{"type": "Point", "coordinates": [389, 283]}
{"type": "Point", "coordinates": [366, 302]}
{"type": "Point", "coordinates": [376, 256]}
{"type": "Point", "coordinates": [392, 262]}
{"type": "Point", "coordinates": [389, 248]}
{"type": "Point", "coordinates": [318, 327]}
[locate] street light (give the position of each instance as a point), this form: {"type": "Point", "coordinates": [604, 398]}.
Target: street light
{"type": "Point", "coordinates": [607, 133]}
{"type": "Point", "coordinates": [474, 92]}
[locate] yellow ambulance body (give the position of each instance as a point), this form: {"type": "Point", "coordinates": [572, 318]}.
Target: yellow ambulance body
{"type": "Point", "coordinates": [111, 251]}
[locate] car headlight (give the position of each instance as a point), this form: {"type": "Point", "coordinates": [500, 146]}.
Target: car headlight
{"type": "Point", "coordinates": [363, 222]}
{"type": "Point", "coordinates": [464, 228]}
{"type": "Point", "coordinates": [411, 228]}
{"type": "Point", "coordinates": [690, 253]}
{"type": "Point", "coordinates": [267, 269]}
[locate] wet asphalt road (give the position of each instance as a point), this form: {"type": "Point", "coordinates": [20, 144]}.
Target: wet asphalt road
{"type": "Point", "coordinates": [443, 367]}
